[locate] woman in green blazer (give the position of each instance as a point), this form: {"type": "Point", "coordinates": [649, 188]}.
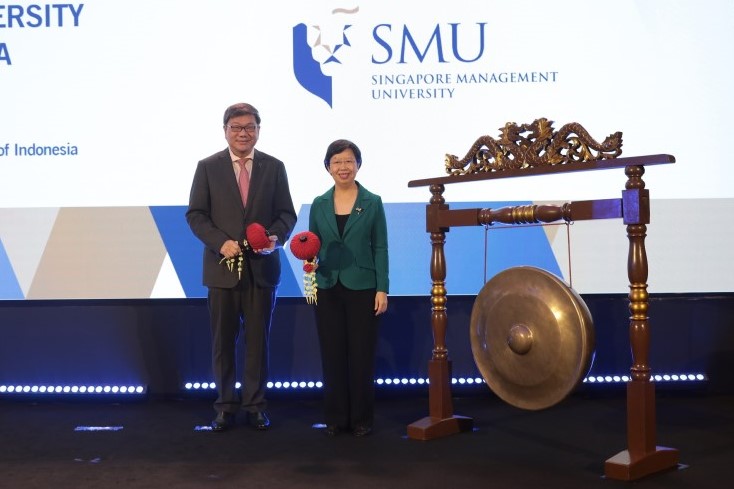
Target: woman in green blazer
{"type": "Point", "coordinates": [353, 284]}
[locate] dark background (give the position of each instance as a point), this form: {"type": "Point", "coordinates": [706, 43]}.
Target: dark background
{"type": "Point", "coordinates": [162, 344]}
{"type": "Point", "coordinates": [162, 440]}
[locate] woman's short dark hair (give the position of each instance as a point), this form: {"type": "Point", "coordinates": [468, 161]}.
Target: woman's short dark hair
{"type": "Point", "coordinates": [342, 145]}
{"type": "Point", "coordinates": [238, 110]}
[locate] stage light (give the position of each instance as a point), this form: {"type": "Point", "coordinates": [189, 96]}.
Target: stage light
{"type": "Point", "coordinates": [663, 378]}
{"type": "Point", "coordinates": [459, 382]}
{"type": "Point", "coordinates": [71, 390]}
{"type": "Point", "coordinates": [98, 428]}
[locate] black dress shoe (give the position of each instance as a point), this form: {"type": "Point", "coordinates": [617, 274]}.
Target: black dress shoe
{"type": "Point", "coordinates": [259, 420]}
{"type": "Point", "coordinates": [362, 430]}
{"type": "Point", "coordinates": [331, 430]}
{"type": "Point", "coordinates": [223, 422]}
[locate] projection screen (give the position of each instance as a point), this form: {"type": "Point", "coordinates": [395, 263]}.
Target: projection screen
{"type": "Point", "coordinates": [107, 106]}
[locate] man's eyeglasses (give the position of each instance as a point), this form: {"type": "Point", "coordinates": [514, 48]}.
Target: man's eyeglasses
{"type": "Point", "coordinates": [249, 128]}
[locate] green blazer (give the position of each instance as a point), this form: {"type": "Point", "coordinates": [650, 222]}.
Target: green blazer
{"type": "Point", "coordinates": [358, 259]}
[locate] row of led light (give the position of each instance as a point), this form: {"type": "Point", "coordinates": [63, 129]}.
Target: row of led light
{"type": "Point", "coordinates": [593, 379]}
{"type": "Point", "coordinates": [72, 389]}
{"type": "Point", "coordinates": [607, 379]}
{"type": "Point", "coordinates": [195, 386]}
{"type": "Point", "coordinates": [137, 390]}
{"type": "Point", "coordinates": [318, 385]}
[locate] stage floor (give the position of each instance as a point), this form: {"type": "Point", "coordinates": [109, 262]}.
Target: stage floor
{"type": "Point", "coordinates": [156, 443]}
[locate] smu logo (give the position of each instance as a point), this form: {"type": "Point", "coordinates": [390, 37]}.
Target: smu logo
{"type": "Point", "coordinates": [308, 69]}
{"type": "Point", "coordinates": [317, 49]}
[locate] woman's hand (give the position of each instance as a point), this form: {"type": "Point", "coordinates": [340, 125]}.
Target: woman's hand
{"type": "Point", "coordinates": [380, 303]}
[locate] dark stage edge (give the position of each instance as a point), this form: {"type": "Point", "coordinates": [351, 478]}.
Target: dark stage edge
{"type": "Point", "coordinates": [561, 447]}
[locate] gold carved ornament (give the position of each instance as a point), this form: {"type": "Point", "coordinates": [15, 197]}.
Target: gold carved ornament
{"type": "Point", "coordinates": [533, 145]}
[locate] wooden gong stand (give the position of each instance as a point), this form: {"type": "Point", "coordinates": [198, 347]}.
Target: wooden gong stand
{"type": "Point", "coordinates": [642, 456]}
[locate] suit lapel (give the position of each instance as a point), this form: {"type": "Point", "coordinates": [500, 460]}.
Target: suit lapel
{"type": "Point", "coordinates": [360, 206]}
{"type": "Point", "coordinates": [225, 172]}
{"type": "Point", "coordinates": [256, 173]}
{"type": "Point", "coordinates": [326, 209]}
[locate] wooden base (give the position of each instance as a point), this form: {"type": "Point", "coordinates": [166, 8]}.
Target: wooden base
{"type": "Point", "coordinates": [441, 420]}
{"type": "Point", "coordinates": [430, 428]}
{"type": "Point", "coordinates": [621, 467]}
{"type": "Point", "coordinates": [642, 457]}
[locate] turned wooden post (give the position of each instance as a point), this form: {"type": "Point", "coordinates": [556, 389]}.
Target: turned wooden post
{"type": "Point", "coordinates": [441, 420]}
{"type": "Point", "coordinates": [642, 456]}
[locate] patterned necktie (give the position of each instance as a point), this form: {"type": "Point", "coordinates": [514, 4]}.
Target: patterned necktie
{"type": "Point", "coordinates": [243, 181]}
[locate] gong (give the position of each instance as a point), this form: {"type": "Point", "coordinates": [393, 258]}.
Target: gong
{"type": "Point", "coordinates": [532, 337]}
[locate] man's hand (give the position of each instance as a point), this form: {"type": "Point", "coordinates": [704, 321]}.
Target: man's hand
{"type": "Point", "coordinates": [271, 247]}
{"type": "Point", "coordinates": [230, 249]}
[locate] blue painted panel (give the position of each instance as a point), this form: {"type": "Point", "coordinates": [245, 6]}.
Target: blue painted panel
{"type": "Point", "coordinates": [9, 286]}
{"type": "Point", "coordinates": [184, 249]}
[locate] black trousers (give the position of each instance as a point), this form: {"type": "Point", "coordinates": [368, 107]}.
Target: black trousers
{"type": "Point", "coordinates": [249, 308]}
{"type": "Point", "coordinates": [347, 330]}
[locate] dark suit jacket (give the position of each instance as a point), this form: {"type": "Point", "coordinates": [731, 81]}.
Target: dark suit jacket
{"type": "Point", "coordinates": [216, 214]}
{"type": "Point", "coordinates": [359, 258]}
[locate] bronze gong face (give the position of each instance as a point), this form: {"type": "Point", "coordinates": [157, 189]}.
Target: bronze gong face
{"type": "Point", "coordinates": [532, 337]}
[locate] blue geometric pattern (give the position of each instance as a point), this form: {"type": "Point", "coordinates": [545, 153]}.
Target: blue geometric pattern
{"type": "Point", "coordinates": [184, 249]}
{"type": "Point", "coordinates": [9, 286]}
{"type": "Point", "coordinates": [408, 243]}
{"type": "Point", "coordinates": [410, 250]}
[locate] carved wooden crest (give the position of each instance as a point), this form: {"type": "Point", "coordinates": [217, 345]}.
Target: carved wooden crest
{"type": "Point", "coordinates": [532, 145]}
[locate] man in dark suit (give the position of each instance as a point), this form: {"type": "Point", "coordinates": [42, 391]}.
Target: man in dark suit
{"type": "Point", "coordinates": [232, 189]}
